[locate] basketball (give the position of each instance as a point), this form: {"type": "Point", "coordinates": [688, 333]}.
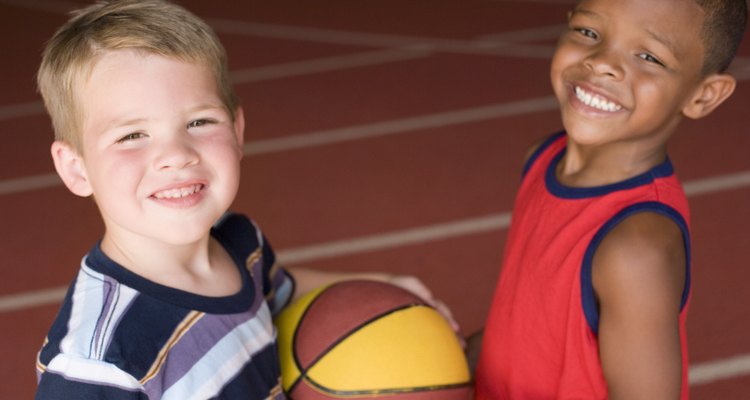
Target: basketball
{"type": "Point", "coordinates": [369, 340]}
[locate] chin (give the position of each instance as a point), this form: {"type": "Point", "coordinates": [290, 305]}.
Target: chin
{"type": "Point", "coordinates": [585, 135]}
{"type": "Point", "coordinates": [191, 231]}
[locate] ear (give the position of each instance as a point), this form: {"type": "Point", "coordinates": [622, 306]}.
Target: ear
{"type": "Point", "coordinates": [70, 167]}
{"type": "Point", "coordinates": [239, 125]}
{"type": "Point", "coordinates": [710, 94]}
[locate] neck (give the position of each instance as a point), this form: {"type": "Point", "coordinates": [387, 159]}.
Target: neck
{"type": "Point", "coordinates": [152, 259]}
{"type": "Point", "coordinates": [588, 166]}
{"type": "Point", "coordinates": [203, 267]}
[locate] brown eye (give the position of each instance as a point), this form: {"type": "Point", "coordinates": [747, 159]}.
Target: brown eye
{"type": "Point", "coordinates": [649, 58]}
{"type": "Point", "coordinates": [587, 32]}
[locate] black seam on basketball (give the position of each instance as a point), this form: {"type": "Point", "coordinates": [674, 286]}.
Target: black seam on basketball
{"type": "Point", "coordinates": [294, 339]}
{"type": "Point", "coordinates": [388, 391]}
{"type": "Point", "coordinates": [303, 372]}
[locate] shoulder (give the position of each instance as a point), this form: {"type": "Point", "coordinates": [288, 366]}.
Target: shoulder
{"type": "Point", "coordinates": [235, 224]}
{"type": "Point", "coordinates": [639, 277]}
{"type": "Point", "coordinates": [238, 234]}
{"type": "Point", "coordinates": [531, 150]}
{"type": "Point", "coordinates": [644, 253]}
{"type": "Point", "coordinates": [538, 147]}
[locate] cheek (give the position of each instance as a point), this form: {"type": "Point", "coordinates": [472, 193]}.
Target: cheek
{"type": "Point", "coordinates": [117, 173]}
{"type": "Point", "coordinates": [562, 60]}
{"type": "Point", "coordinates": [657, 96]}
{"type": "Point", "coordinates": [224, 150]}
{"type": "Point", "coordinates": [222, 156]}
{"type": "Point", "coordinates": [228, 162]}
{"type": "Point", "coordinates": [564, 56]}
{"type": "Point", "coordinates": [558, 83]}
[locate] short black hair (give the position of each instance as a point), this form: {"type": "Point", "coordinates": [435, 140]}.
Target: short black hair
{"type": "Point", "coordinates": [722, 32]}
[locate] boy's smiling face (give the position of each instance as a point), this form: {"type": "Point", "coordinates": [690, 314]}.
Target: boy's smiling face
{"type": "Point", "coordinates": [625, 69]}
{"type": "Point", "coordinates": [160, 152]}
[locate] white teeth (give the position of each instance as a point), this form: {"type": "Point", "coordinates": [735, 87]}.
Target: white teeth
{"type": "Point", "coordinates": [178, 192]}
{"type": "Point", "coordinates": [595, 101]}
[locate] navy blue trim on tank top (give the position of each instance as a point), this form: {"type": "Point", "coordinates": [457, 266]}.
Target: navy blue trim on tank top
{"type": "Point", "coordinates": [236, 303]}
{"type": "Point", "coordinates": [588, 299]}
{"type": "Point", "coordinates": [554, 186]}
{"type": "Point", "coordinates": [539, 150]}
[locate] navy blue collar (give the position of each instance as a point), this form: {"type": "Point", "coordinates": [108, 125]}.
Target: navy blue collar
{"type": "Point", "coordinates": [238, 302]}
{"type": "Point", "coordinates": [554, 186]}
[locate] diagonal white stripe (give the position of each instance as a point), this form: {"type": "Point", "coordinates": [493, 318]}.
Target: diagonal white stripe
{"type": "Point", "coordinates": [24, 300]}
{"type": "Point", "coordinates": [403, 125]}
{"type": "Point", "coordinates": [20, 110]}
{"type": "Point", "coordinates": [527, 35]}
{"type": "Point", "coordinates": [317, 65]}
{"type": "Point", "coordinates": [707, 372]}
{"type": "Point", "coordinates": [29, 183]}
{"type": "Point", "coordinates": [386, 240]}
{"type": "Point", "coordinates": [357, 132]}
{"type": "Point", "coordinates": [717, 184]}
{"type": "Point", "coordinates": [406, 237]}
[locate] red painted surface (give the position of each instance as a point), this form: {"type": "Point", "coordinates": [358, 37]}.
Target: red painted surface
{"type": "Point", "coordinates": [377, 185]}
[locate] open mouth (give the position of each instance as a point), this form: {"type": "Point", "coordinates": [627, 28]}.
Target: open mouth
{"type": "Point", "coordinates": [595, 101]}
{"type": "Point", "coordinates": [179, 193]}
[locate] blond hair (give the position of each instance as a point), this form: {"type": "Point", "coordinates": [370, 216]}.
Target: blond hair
{"type": "Point", "coordinates": [152, 26]}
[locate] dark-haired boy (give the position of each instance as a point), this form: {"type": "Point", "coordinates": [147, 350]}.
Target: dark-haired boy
{"type": "Point", "coordinates": [593, 293]}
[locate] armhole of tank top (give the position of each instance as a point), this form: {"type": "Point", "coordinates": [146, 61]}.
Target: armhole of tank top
{"type": "Point", "coordinates": [588, 300]}
{"type": "Point", "coordinates": [539, 150]}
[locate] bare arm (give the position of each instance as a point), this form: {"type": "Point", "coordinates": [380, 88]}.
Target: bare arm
{"type": "Point", "coordinates": [639, 278]}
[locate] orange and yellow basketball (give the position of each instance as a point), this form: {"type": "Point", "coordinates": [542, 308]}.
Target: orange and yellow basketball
{"type": "Point", "coordinates": [366, 340]}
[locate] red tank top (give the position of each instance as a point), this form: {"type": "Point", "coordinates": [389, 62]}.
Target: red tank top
{"type": "Point", "coordinates": [540, 339]}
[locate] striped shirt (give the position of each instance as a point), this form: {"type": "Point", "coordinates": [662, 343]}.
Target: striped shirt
{"type": "Point", "coordinates": [120, 336]}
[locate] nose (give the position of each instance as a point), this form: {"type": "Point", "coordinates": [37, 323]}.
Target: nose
{"type": "Point", "coordinates": [605, 62]}
{"type": "Point", "coordinates": [176, 152]}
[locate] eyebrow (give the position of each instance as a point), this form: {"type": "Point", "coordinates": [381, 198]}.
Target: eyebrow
{"type": "Point", "coordinates": [669, 44]}
{"type": "Point", "coordinates": [207, 106]}
{"type": "Point", "coordinates": [665, 41]}
{"type": "Point", "coordinates": [589, 13]}
{"type": "Point", "coordinates": [120, 122]}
